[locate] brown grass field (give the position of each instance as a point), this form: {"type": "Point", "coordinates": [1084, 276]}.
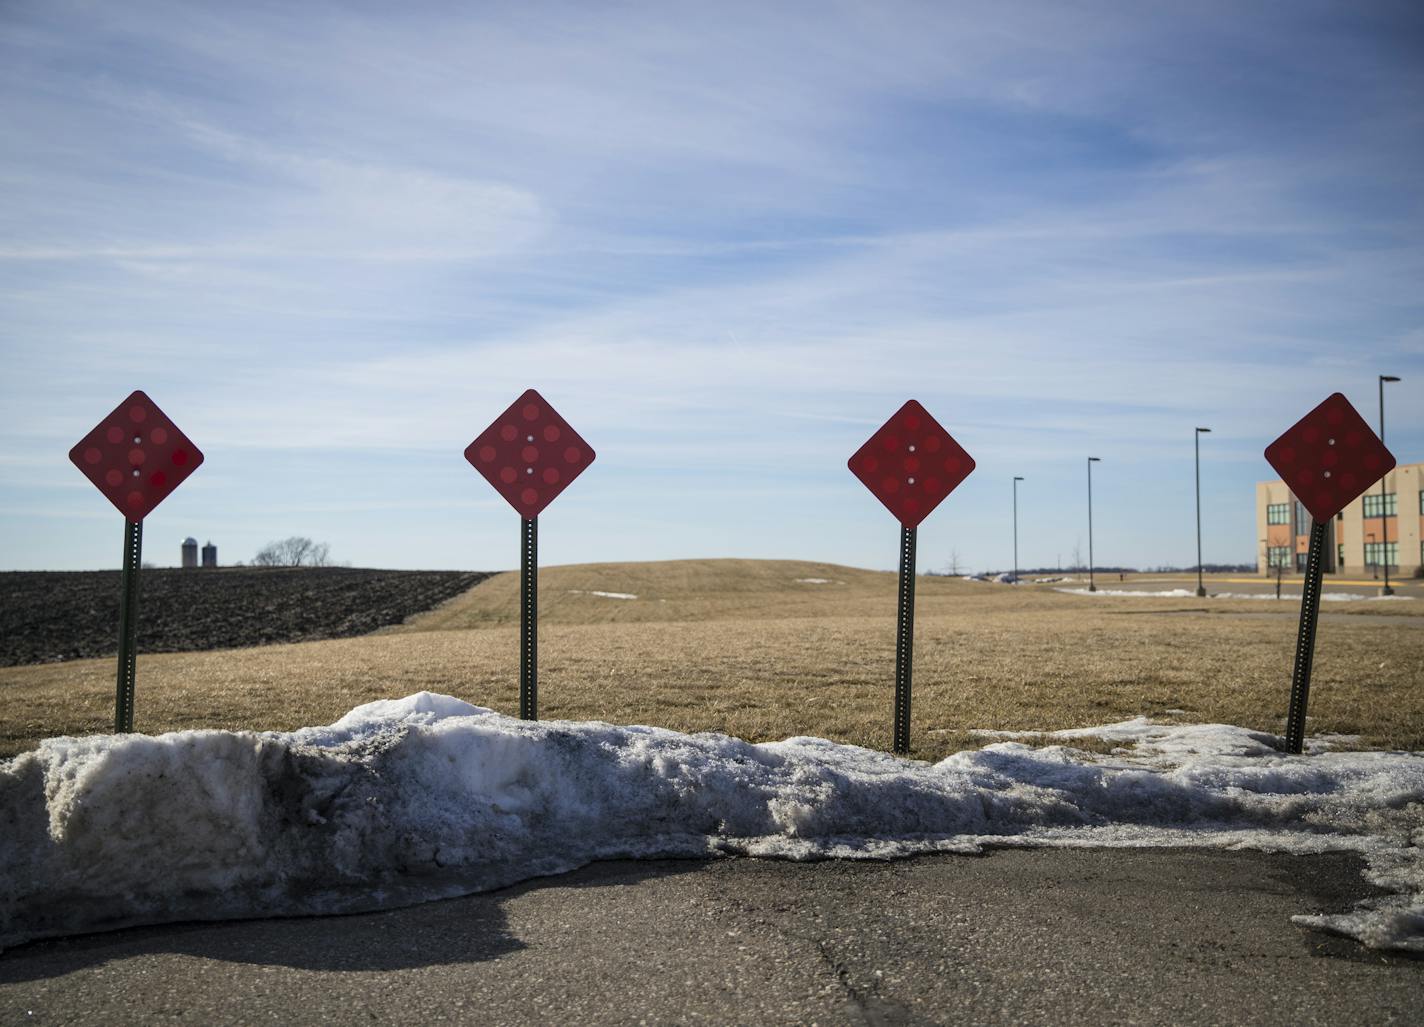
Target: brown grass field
{"type": "Point", "coordinates": [746, 648]}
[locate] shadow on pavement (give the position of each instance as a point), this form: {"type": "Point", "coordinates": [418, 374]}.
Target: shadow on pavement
{"type": "Point", "coordinates": [468, 929]}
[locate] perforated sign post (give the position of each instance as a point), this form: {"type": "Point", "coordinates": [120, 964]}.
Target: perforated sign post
{"type": "Point", "coordinates": [910, 465]}
{"type": "Point", "coordinates": [1328, 458]}
{"type": "Point", "coordinates": [136, 457]}
{"type": "Point", "coordinates": [529, 454]}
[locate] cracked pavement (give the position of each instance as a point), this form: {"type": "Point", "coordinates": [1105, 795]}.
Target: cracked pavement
{"type": "Point", "coordinates": [1021, 936]}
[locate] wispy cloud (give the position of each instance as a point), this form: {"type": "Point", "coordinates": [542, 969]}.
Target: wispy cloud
{"type": "Point", "coordinates": [725, 240]}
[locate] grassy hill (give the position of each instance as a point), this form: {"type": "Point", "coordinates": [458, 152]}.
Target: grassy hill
{"type": "Point", "coordinates": [762, 650]}
{"type": "Point", "coordinates": [688, 590]}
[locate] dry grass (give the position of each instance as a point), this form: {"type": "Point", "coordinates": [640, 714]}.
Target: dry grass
{"type": "Point", "coordinates": [679, 590]}
{"type": "Point", "coordinates": [741, 647]}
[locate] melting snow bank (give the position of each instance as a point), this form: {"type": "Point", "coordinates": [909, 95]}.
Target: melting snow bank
{"type": "Point", "coordinates": [429, 797]}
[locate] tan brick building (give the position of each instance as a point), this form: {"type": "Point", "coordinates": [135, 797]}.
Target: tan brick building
{"type": "Point", "coordinates": [1362, 536]}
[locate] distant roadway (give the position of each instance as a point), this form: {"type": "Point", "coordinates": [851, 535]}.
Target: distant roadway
{"type": "Point", "coordinates": [1253, 584]}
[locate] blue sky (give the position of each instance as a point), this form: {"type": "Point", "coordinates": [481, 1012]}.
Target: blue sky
{"type": "Point", "coordinates": [726, 241]}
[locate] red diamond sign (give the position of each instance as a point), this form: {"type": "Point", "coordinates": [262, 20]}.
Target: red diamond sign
{"type": "Point", "coordinates": [911, 464]}
{"type": "Point", "coordinates": [136, 456]}
{"type": "Point", "coordinates": [530, 454]}
{"type": "Point", "coordinates": [1329, 457]}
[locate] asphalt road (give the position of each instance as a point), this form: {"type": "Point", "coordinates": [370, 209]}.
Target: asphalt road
{"type": "Point", "coordinates": [1045, 936]}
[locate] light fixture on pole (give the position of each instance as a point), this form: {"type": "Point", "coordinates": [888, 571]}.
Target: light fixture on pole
{"type": "Point", "coordinates": [1017, 479]}
{"type": "Point", "coordinates": [1384, 522]}
{"type": "Point", "coordinates": [1091, 461]}
{"type": "Point", "coordinates": [1196, 441]}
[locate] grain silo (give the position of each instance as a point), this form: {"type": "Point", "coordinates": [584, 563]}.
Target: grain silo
{"type": "Point", "coordinates": [210, 554]}
{"type": "Point", "coordinates": [190, 552]}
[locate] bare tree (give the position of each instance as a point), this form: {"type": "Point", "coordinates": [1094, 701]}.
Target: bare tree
{"type": "Point", "coordinates": [952, 565]}
{"type": "Point", "coordinates": [296, 551]}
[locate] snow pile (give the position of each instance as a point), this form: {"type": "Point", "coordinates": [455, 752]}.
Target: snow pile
{"type": "Point", "coordinates": [813, 581]}
{"type": "Point", "coordinates": [605, 595]}
{"type": "Point", "coordinates": [1154, 741]}
{"type": "Point", "coordinates": [1171, 593]}
{"type": "Point", "coordinates": [428, 797]}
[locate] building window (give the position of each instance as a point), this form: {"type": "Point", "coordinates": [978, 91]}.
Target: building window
{"type": "Point", "coordinates": [1340, 557]}
{"type": "Point", "coordinates": [1302, 517]}
{"type": "Point", "coordinates": [1278, 513]}
{"type": "Point", "coordinates": [1375, 550]}
{"type": "Point", "coordinates": [1300, 559]}
{"type": "Point", "coordinates": [1278, 556]}
{"type": "Point", "coordinates": [1381, 505]}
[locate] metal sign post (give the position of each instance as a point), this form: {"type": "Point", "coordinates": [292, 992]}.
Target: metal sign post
{"type": "Point", "coordinates": [529, 619]}
{"type": "Point", "coordinates": [910, 464]}
{"type": "Point", "coordinates": [1305, 639]}
{"type": "Point", "coordinates": [529, 454]}
{"type": "Point", "coordinates": [128, 627]}
{"type": "Point", "coordinates": [904, 639]}
{"type": "Point", "coordinates": [1328, 458]}
{"type": "Point", "coordinates": [136, 457]}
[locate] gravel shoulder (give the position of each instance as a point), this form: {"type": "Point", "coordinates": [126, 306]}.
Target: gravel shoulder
{"type": "Point", "coordinates": [1025, 936]}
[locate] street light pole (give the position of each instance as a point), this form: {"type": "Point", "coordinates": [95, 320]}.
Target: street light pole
{"type": "Point", "coordinates": [1196, 442]}
{"type": "Point", "coordinates": [1384, 522]}
{"type": "Point", "coordinates": [1091, 461]}
{"type": "Point", "coordinates": [1017, 479]}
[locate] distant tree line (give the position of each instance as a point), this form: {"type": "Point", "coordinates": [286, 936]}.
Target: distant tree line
{"type": "Point", "coordinates": [297, 551]}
